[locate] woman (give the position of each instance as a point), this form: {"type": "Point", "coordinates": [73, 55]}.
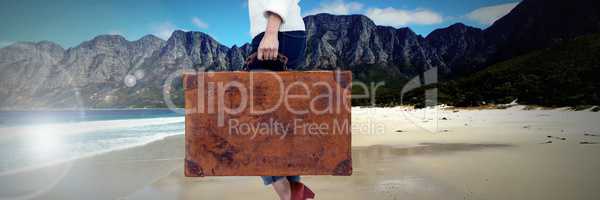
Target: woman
{"type": "Point", "coordinates": [278, 28]}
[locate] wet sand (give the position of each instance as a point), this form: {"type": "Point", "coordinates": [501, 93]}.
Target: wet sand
{"type": "Point", "coordinates": [471, 154]}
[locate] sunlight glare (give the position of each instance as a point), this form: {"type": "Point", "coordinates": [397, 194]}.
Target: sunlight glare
{"type": "Point", "coordinates": [45, 140]}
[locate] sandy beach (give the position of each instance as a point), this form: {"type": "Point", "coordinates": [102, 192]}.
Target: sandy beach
{"type": "Point", "coordinates": [398, 153]}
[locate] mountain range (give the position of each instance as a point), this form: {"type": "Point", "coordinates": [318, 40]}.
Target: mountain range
{"type": "Point", "coordinates": [112, 72]}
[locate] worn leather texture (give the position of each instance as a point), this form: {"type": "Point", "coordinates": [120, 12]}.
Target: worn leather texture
{"type": "Point", "coordinates": [223, 141]}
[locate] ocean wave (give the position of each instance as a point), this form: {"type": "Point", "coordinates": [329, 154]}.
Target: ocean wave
{"type": "Point", "coordinates": [34, 145]}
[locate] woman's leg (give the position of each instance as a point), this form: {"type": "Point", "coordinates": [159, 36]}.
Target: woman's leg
{"type": "Point", "coordinates": [283, 189]}
{"type": "Point", "coordinates": [281, 184]}
{"type": "Point", "coordinates": [293, 45]}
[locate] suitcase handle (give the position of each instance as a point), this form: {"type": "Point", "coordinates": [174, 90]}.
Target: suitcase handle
{"type": "Point", "coordinates": [253, 59]}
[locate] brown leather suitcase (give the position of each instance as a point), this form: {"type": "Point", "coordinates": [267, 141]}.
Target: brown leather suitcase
{"type": "Point", "coordinates": [268, 123]}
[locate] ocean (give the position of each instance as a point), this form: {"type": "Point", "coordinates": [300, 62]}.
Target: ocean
{"type": "Point", "coordinates": [36, 138]}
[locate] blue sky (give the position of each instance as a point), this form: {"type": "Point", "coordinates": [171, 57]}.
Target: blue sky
{"type": "Point", "coordinates": [70, 22]}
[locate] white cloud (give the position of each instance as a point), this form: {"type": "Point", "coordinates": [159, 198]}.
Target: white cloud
{"type": "Point", "coordinates": [488, 15]}
{"type": "Point", "coordinates": [164, 30]}
{"type": "Point", "coordinates": [398, 17]}
{"type": "Point", "coordinates": [337, 7]}
{"type": "Point", "coordinates": [381, 16]}
{"type": "Point", "coordinates": [199, 23]}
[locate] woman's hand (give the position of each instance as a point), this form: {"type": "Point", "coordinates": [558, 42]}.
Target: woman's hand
{"type": "Point", "coordinates": [268, 49]}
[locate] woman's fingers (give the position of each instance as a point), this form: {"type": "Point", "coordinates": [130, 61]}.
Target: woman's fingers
{"type": "Point", "coordinates": [276, 51]}
{"type": "Point", "coordinates": [259, 54]}
{"type": "Point", "coordinates": [268, 48]}
{"type": "Point", "coordinates": [273, 54]}
{"type": "Point", "coordinates": [267, 54]}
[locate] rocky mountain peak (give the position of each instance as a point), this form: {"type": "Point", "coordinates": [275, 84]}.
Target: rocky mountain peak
{"type": "Point", "coordinates": [353, 41]}
{"type": "Point", "coordinates": [537, 24]}
{"type": "Point", "coordinates": [191, 37]}
{"type": "Point", "coordinates": [150, 38]}
{"type": "Point", "coordinates": [330, 19]}
{"type": "Point", "coordinates": [188, 49]}
{"type": "Point", "coordinates": [460, 46]}
{"type": "Point", "coordinates": [51, 46]}
{"type": "Point", "coordinates": [47, 51]}
{"type": "Point", "coordinates": [106, 41]}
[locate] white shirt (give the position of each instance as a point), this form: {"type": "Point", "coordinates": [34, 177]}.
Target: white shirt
{"type": "Point", "coordinates": [288, 10]}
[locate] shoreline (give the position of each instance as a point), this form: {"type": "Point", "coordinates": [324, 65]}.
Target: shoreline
{"type": "Point", "coordinates": [107, 169]}
{"type": "Point", "coordinates": [87, 156]}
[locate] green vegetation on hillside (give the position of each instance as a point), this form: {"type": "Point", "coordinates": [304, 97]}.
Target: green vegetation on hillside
{"type": "Point", "coordinates": [371, 76]}
{"type": "Point", "coordinates": [563, 75]}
